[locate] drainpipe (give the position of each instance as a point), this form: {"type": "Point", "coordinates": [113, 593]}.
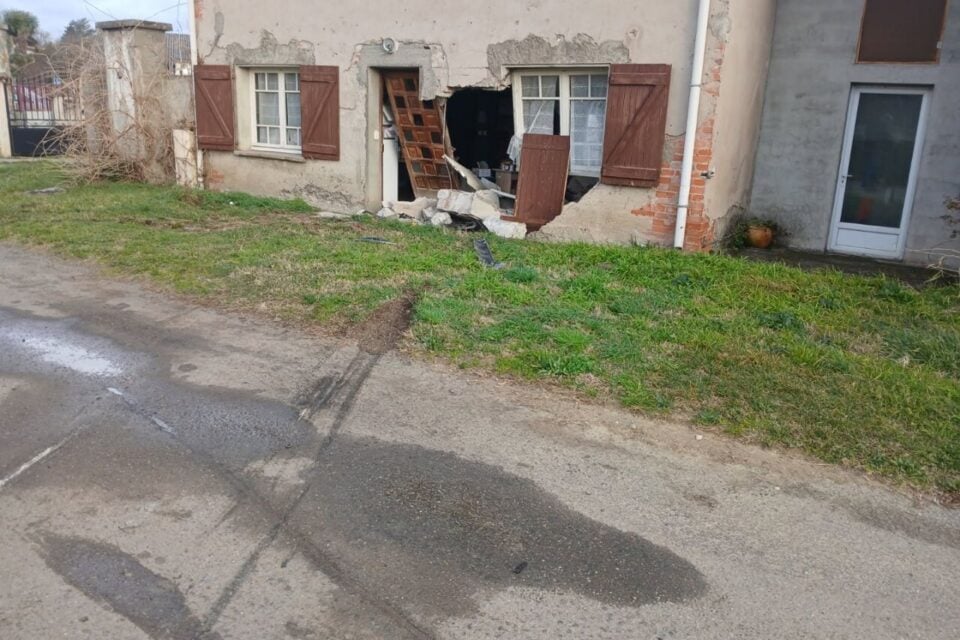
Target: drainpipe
{"type": "Point", "coordinates": [194, 60]}
{"type": "Point", "coordinates": [693, 116]}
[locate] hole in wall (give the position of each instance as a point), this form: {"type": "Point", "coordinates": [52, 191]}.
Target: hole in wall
{"type": "Point", "coordinates": [480, 125]}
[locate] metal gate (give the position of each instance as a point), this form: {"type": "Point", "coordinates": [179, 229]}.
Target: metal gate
{"type": "Point", "coordinates": [39, 108]}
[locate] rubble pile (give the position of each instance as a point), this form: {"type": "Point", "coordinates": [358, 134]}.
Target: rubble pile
{"type": "Point", "coordinates": [465, 210]}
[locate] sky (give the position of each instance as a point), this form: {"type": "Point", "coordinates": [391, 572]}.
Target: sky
{"type": "Point", "coordinates": [55, 14]}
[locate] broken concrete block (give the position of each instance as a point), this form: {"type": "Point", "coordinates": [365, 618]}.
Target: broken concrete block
{"type": "Point", "coordinates": [332, 215]}
{"type": "Point", "coordinates": [453, 201]}
{"type": "Point", "coordinates": [505, 228]}
{"type": "Point", "coordinates": [386, 213]}
{"type": "Point", "coordinates": [441, 219]}
{"type": "Point", "coordinates": [483, 208]}
{"type": "Point", "coordinates": [488, 195]}
{"type": "Point", "coordinates": [412, 210]}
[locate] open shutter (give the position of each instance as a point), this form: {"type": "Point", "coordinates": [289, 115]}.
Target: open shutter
{"type": "Point", "coordinates": [320, 106]}
{"type": "Point", "coordinates": [636, 124]}
{"type": "Point", "coordinates": [214, 100]}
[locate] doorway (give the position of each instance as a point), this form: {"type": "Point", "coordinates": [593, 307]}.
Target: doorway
{"type": "Point", "coordinates": [419, 132]}
{"type": "Point", "coordinates": [878, 171]}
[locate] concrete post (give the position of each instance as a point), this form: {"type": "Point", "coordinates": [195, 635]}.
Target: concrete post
{"type": "Point", "coordinates": [6, 149]}
{"type": "Point", "coordinates": [135, 57]}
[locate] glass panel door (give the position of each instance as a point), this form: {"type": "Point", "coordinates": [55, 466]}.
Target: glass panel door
{"type": "Point", "coordinates": [880, 159]}
{"type": "Point", "coordinates": [878, 174]}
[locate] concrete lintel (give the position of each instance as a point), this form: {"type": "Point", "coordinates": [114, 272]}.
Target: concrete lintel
{"type": "Point", "coordinates": [117, 25]}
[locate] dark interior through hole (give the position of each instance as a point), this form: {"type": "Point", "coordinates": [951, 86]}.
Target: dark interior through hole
{"type": "Point", "coordinates": [577, 186]}
{"type": "Point", "coordinates": [480, 123]}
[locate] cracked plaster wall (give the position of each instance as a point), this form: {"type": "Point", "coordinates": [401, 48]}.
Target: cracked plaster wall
{"type": "Point", "coordinates": [452, 49]}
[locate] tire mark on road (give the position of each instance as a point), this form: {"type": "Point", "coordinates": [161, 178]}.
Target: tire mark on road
{"type": "Point", "coordinates": [341, 396]}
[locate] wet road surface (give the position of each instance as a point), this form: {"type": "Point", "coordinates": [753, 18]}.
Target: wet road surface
{"type": "Point", "coordinates": [172, 472]}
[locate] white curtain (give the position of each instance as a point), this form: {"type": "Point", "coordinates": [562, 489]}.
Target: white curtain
{"type": "Point", "coordinates": [586, 135]}
{"type": "Point", "coordinates": [538, 116]}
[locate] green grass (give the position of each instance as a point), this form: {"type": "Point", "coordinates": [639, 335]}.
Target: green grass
{"type": "Point", "coordinates": [857, 371]}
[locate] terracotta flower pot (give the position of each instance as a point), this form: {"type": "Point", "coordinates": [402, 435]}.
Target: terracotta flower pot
{"type": "Point", "coordinates": [759, 236]}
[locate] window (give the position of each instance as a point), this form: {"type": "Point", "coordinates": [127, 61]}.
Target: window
{"type": "Point", "coordinates": [588, 105]}
{"type": "Point", "coordinates": [901, 31]}
{"type": "Point", "coordinates": [541, 104]}
{"type": "Point", "coordinates": [276, 96]}
{"type": "Point", "coordinates": [571, 103]}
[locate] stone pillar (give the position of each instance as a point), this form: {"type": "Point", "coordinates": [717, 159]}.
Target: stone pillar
{"type": "Point", "coordinates": [6, 150]}
{"type": "Point", "coordinates": [135, 59]}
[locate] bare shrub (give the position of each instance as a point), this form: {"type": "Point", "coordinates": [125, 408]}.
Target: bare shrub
{"type": "Point", "coordinates": [122, 134]}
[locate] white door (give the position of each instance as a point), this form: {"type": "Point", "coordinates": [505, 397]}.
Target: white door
{"type": "Point", "coordinates": [878, 171]}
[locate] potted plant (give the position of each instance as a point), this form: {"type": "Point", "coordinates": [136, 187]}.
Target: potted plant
{"type": "Point", "coordinates": [760, 233]}
{"type": "Point", "coordinates": [745, 231]}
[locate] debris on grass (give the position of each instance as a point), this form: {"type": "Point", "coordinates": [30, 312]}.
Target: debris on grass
{"type": "Point", "coordinates": [46, 191]}
{"type": "Point", "coordinates": [485, 255]}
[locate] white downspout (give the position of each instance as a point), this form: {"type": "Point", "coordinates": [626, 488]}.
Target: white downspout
{"type": "Point", "coordinates": [693, 117]}
{"type": "Point", "coordinates": [194, 60]}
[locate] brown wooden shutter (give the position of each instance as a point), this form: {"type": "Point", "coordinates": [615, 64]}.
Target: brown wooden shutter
{"type": "Point", "coordinates": [320, 112]}
{"type": "Point", "coordinates": [214, 100]}
{"type": "Point", "coordinates": [901, 30]}
{"type": "Point", "coordinates": [544, 163]}
{"type": "Point", "coordinates": [636, 124]}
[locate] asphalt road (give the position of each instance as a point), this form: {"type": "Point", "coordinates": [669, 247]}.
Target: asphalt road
{"type": "Point", "coordinates": [168, 471]}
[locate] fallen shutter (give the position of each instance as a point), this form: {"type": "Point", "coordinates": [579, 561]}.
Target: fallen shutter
{"type": "Point", "coordinates": [636, 124]}
{"type": "Point", "coordinates": [320, 106]}
{"type": "Point", "coordinates": [214, 98]}
{"type": "Point", "coordinates": [544, 163]}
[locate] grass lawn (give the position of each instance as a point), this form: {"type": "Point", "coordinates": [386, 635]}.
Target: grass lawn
{"type": "Point", "coordinates": [863, 372]}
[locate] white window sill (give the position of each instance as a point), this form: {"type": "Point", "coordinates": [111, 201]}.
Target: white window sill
{"type": "Point", "coordinates": [286, 156]}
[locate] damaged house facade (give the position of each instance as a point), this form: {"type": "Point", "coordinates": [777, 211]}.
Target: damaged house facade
{"type": "Point", "coordinates": [577, 110]}
{"type": "Point", "coordinates": [647, 122]}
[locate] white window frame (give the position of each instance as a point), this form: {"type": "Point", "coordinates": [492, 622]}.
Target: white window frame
{"type": "Point", "coordinates": [566, 100]}
{"type": "Point", "coordinates": [282, 91]}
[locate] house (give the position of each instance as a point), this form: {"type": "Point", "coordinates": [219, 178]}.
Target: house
{"type": "Point", "coordinates": [301, 105]}
{"type": "Point", "coordinates": [581, 110]}
{"type": "Point", "coordinates": [860, 141]}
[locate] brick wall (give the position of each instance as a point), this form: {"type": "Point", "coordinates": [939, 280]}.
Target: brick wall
{"type": "Point", "coordinates": [701, 229]}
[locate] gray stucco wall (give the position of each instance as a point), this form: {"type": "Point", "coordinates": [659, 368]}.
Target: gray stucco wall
{"type": "Point", "coordinates": [811, 74]}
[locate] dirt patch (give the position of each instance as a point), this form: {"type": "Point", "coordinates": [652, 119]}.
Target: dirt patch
{"type": "Point", "coordinates": [380, 332]}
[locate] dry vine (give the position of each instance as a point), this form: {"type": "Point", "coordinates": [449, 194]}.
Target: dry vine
{"type": "Point", "coordinates": [113, 138]}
